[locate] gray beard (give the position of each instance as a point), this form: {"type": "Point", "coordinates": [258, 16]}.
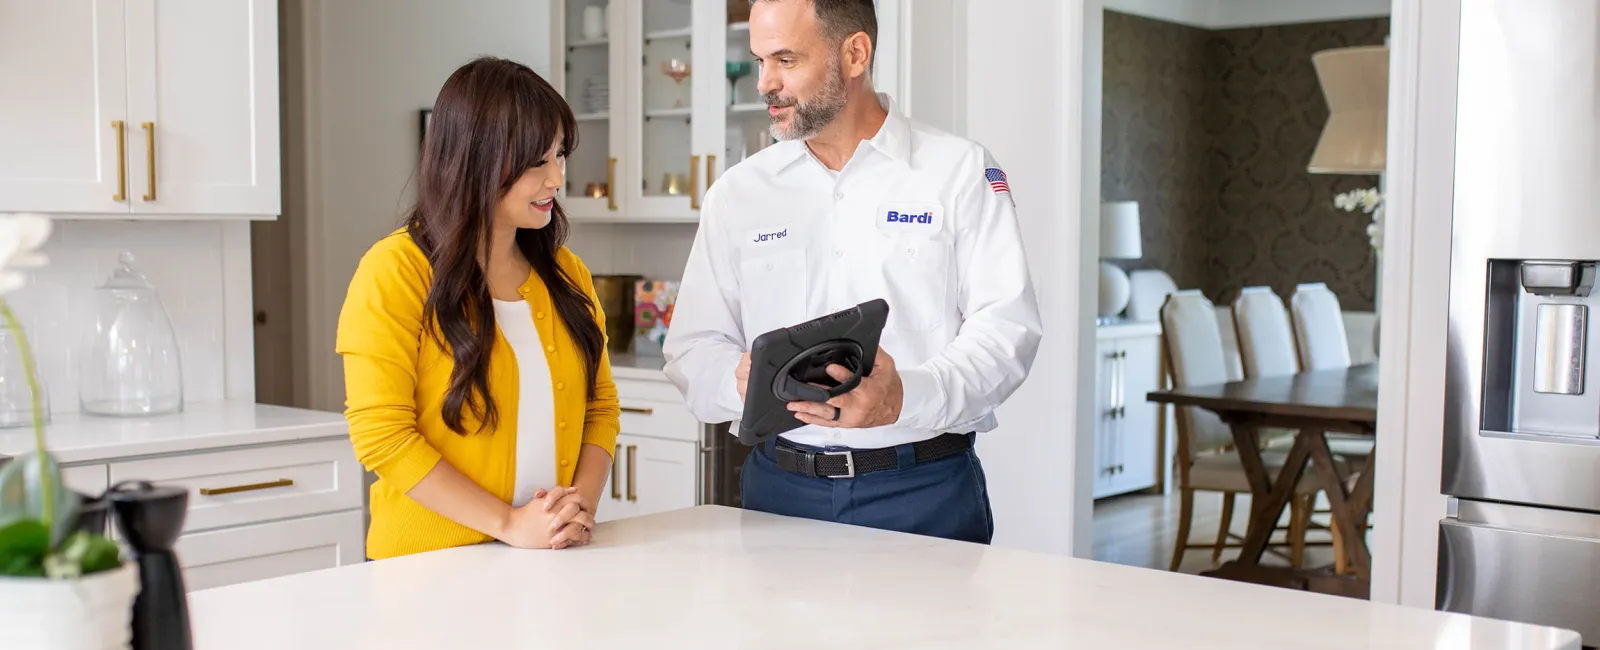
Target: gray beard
{"type": "Point", "coordinates": [814, 115]}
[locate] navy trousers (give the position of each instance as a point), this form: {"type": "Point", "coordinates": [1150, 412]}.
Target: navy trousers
{"type": "Point", "coordinates": [946, 498]}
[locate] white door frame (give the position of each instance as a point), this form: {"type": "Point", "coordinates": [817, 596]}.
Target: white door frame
{"type": "Point", "coordinates": [1407, 499]}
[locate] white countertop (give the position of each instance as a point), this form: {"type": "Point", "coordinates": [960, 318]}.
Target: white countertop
{"type": "Point", "coordinates": [628, 366]}
{"type": "Point", "coordinates": [714, 577]}
{"type": "Point", "coordinates": [78, 438]}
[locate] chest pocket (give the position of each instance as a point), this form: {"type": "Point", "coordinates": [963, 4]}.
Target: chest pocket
{"type": "Point", "coordinates": [916, 280]}
{"type": "Point", "coordinates": [772, 290]}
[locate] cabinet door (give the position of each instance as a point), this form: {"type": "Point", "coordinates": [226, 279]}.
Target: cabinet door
{"type": "Point", "coordinates": [64, 71]}
{"type": "Point", "coordinates": [668, 115]}
{"type": "Point", "coordinates": [589, 72]}
{"type": "Point", "coordinates": [1138, 443]}
{"type": "Point", "coordinates": [247, 553]}
{"type": "Point", "coordinates": [203, 107]}
{"type": "Point", "coordinates": [657, 475]}
{"type": "Point", "coordinates": [1105, 423]}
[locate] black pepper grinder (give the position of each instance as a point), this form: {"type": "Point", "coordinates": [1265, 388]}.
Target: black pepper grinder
{"type": "Point", "coordinates": [151, 518]}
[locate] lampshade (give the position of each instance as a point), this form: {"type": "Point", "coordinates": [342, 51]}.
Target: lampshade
{"type": "Point", "coordinates": [1119, 231]}
{"type": "Point", "coordinates": [1355, 83]}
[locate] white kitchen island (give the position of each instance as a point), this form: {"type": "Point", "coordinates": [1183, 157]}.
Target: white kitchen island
{"type": "Point", "coordinates": [714, 577]}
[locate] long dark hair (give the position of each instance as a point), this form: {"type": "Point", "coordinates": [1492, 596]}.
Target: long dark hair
{"type": "Point", "coordinates": [493, 120]}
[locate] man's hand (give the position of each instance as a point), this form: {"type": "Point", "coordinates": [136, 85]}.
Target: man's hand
{"type": "Point", "coordinates": [875, 402]}
{"type": "Point", "coordinates": [742, 374]}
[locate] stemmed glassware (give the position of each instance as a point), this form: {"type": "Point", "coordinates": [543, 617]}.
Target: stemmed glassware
{"type": "Point", "coordinates": [678, 70]}
{"type": "Point", "coordinates": [737, 70]}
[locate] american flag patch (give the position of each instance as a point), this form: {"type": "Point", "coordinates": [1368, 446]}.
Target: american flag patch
{"type": "Point", "coordinates": [997, 180]}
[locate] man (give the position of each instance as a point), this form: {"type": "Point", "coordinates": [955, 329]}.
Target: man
{"type": "Point", "coordinates": [857, 202]}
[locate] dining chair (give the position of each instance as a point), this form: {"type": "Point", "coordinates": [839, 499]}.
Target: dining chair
{"type": "Point", "coordinates": [1319, 327]}
{"type": "Point", "coordinates": [1206, 459]}
{"type": "Point", "coordinates": [1230, 343]}
{"type": "Point", "coordinates": [1270, 345]}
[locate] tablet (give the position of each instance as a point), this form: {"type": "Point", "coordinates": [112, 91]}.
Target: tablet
{"type": "Point", "coordinates": [790, 365]}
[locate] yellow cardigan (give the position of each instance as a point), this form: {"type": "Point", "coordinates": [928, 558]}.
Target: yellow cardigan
{"type": "Point", "coordinates": [395, 381]}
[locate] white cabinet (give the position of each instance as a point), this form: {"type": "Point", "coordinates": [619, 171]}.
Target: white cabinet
{"type": "Point", "coordinates": [661, 457]}
{"type": "Point", "coordinates": [128, 107]}
{"type": "Point", "coordinates": [257, 552]}
{"type": "Point", "coordinates": [658, 115]}
{"type": "Point", "coordinates": [1128, 449]}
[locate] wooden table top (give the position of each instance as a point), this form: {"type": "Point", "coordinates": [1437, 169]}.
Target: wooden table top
{"type": "Point", "coordinates": [1349, 394]}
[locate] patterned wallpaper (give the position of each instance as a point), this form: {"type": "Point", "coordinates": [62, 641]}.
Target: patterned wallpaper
{"type": "Point", "coordinates": [1210, 132]}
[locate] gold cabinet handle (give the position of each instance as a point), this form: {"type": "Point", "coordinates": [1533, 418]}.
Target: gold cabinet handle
{"type": "Point", "coordinates": [694, 182]}
{"type": "Point", "coordinates": [632, 457]}
{"type": "Point", "coordinates": [122, 160]}
{"type": "Point", "coordinates": [611, 184]}
{"type": "Point", "coordinates": [711, 170]}
{"type": "Point", "coordinates": [639, 410]}
{"type": "Point", "coordinates": [282, 482]}
{"type": "Point", "coordinates": [150, 157]}
{"type": "Point", "coordinates": [616, 479]}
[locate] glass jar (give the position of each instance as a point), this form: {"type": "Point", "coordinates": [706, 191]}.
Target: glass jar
{"type": "Point", "coordinates": [16, 399]}
{"type": "Point", "coordinates": [129, 363]}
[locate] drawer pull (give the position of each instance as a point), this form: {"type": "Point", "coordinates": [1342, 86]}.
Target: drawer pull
{"type": "Point", "coordinates": [282, 482]}
{"type": "Point", "coordinates": [632, 462]}
{"type": "Point", "coordinates": [616, 478]}
{"type": "Point", "coordinates": [639, 410]}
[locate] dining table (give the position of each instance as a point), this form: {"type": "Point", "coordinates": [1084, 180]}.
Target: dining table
{"type": "Point", "coordinates": [1313, 404]}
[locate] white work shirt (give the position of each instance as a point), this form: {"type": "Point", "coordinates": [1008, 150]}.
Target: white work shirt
{"type": "Point", "coordinates": [913, 218]}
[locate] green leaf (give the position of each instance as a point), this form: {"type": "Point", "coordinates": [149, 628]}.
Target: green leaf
{"type": "Point", "coordinates": [22, 494]}
{"type": "Point", "coordinates": [101, 555]}
{"type": "Point", "coordinates": [23, 545]}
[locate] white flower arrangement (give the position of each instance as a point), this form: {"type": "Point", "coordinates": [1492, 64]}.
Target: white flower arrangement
{"type": "Point", "coordinates": [1369, 201]}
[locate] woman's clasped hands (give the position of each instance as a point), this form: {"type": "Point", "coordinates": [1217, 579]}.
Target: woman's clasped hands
{"type": "Point", "coordinates": [556, 518]}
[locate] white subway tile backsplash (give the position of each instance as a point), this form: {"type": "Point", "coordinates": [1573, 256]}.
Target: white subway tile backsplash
{"type": "Point", "coordinates": [655, 251]}
{"type": "Point", "coordinates": [183, 259]}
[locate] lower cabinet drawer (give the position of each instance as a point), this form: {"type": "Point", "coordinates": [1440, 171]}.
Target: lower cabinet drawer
{"type": "Point", "coordinates": [246, 486]}
{"type": "Point", "coordinates": [230, 556]}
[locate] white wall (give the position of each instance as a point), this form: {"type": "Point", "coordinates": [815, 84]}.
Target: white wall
{"type": "Point", "coordinates": [195, 267]}
{"type": "Point", "coordinates": [1226, 14]}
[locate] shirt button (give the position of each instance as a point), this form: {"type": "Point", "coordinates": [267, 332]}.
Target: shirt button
{"type": "Point", "coordinates": [539, 315]}
{"type": "Point", "coordinates": [522, 290]}
{"type": "Point", "coordinates": [550, 348]}
{"type": "Point", "coordinates": [561, 385]}
{"type": "Point", "coordinates": [838, 253]}
{"type": "Point", "coordinates": [838, 195]}
{"type": "Point", "coordinates": [565, 462]}
{"type": "Point", "coordinates": [561, 425]}
{"type": "Point", "coordinates": [911, 252]}
{"type": "Point", "coordinates": [769, 267]}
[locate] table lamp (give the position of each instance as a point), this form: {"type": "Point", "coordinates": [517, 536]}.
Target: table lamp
{"type": "Point", "coordinates": [1119, 240]}
{"type": "Point", "coordinates": [1355, 83]}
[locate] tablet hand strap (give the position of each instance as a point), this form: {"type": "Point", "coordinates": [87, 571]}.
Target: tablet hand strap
{"type": "Point", "coordinates": [793, 383]}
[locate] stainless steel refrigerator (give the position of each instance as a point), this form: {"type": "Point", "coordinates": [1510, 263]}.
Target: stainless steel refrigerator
{"type": "Point", "coordinates": [1522, 422]}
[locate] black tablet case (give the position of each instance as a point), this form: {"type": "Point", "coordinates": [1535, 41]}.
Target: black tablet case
{"type": "Point", "coordinates": [829, 339]}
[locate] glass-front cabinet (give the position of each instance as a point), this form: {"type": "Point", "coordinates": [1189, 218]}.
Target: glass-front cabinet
{"type": "Point", "coordinates": [665, 94]}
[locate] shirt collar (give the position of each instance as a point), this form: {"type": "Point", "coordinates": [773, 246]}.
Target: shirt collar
{"type": "Point", "coordinates": [893, 140]}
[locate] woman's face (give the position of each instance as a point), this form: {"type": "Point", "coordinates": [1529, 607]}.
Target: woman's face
{"type": "Point", "coordinates": [529, 201]}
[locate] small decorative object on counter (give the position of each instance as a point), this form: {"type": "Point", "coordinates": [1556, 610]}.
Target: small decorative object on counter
{"type": "Point", "coordinates": [63, 584]}
{"type": "Point", "coordinates": [653, 304]}
{"type": "Point", "coordinates": [16, 397]}
{"type": "Point", "coordinates": [596, 190]}
{"type": "Point", "coordinates": [150, 518]}
{"type": "Point", "coordinates": [129, 364]}
{"type": "Point", "coordinates": [672, 184]}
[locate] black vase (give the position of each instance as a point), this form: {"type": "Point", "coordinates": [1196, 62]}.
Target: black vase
{"type": "Point", "coordinates": [150, 518]}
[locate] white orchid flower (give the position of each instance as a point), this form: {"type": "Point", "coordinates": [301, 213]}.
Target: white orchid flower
{"type": "Point", "coordinates": [21, 237]}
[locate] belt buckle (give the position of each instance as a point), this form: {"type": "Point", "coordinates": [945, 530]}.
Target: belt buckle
{"type": "Point", "coordinates": [849, 463]}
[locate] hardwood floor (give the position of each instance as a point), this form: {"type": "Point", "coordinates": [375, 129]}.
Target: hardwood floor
{"type": "Point", "coordinates": [1141, 529]}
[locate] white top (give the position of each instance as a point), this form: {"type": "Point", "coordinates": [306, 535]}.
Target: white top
{"type": "Point", "coordinates": [536, 409]}
{"type": "Point", "coordinates": [920, 218]}
{"type": "Point", "coordinates": [78, 438]}
{"type": "Point", "coordinates": [714, 578]}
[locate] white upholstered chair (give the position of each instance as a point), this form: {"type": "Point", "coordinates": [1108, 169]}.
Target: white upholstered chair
{"type": "Point", "coordinates": [1230, 343]}
{"type": "Point", "coordinates": [1319, 327]}
{"type": "Point", "coordinates": [1206, 459]}
{"type": "Point", "coordinates": [1266, 341]}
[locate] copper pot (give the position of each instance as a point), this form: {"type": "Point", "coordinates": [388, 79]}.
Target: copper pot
{"type": "Point", "coordinates": [616, 300]}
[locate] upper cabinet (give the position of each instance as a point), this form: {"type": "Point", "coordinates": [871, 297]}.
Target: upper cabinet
{"type": "Point", "coordinates": [140, 107]}
{"type": "Point", "coordinates": [665, 96]}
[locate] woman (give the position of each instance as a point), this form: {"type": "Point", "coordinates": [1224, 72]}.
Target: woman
{"type": "Point", "coordinates": [478, 387]}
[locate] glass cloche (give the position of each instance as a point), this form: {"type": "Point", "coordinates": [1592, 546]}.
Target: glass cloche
{"type": "Point", "coordinates": [16, 396]}
{"type": "Point", "coordinates": [129, 362]}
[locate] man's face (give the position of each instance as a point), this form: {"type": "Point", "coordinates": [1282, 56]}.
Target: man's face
{"type": "Point", "coordinates": [800, 73]}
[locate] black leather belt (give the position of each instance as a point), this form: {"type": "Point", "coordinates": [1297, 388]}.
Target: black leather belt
{"type": "Point", "coordinates": [852, 463]}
